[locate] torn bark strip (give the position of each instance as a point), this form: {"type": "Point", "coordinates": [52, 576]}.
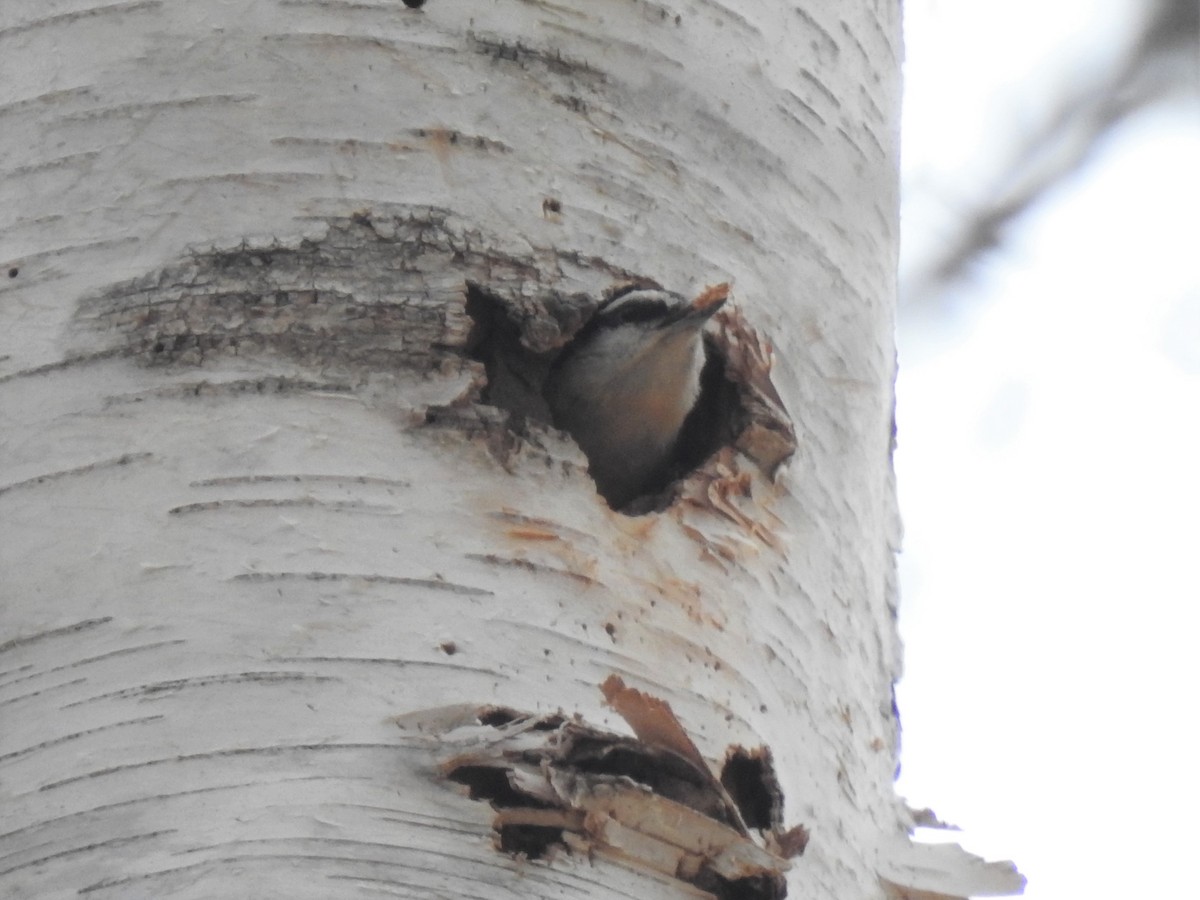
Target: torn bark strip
{"type": "Point", "coordinates": [649, 801]}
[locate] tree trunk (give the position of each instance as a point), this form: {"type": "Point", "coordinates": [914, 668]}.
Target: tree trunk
{"type": "Point", "coordinates": [281, 549]}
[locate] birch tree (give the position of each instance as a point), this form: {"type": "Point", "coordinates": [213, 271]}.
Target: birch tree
{"type": "Point", "coordinates": [302, 595]}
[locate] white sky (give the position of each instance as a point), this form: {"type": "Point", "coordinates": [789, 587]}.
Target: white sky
{"type": "Point", "coordinates": [1049, 469]}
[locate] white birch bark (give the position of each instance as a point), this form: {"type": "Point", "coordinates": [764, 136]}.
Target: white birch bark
{"type": "Point", "coordinates": [235, 240]}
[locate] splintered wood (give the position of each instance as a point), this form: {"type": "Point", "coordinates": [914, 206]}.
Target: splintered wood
{"type": "Point", "coordinates": [768, 438]}
{"type": "Point", "coordinates": [648, 801]}
{"type": "Point", "coordinates": [763, 436]}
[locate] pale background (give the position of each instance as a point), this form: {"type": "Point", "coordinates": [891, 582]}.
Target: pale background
{"type": "Point", "coordinates": [1049, 450]}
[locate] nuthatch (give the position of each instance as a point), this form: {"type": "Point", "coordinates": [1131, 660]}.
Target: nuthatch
{"type": "Point", "coordinates": [626, 383]}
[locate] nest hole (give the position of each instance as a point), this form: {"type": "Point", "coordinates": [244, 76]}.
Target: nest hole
{"type": "Point", "coordinates": [518, 348]}
{"type": "Point", "coordinates": [531, 841]}
{"type": "Point", "coordinates": [749, 778]}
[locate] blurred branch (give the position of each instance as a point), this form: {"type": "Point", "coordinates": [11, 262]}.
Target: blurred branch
{"type": "Point", "coordinates": [1161, 60]}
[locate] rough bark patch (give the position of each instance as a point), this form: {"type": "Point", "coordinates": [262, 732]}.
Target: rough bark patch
{"type": "Point", "coordinates": [415, 290]}
{"type": "Point", "coordinates": [649, 801]}
{"type": "Point", "coordinates": [375, 291]}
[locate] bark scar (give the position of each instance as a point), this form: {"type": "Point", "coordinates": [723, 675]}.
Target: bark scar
{"type": "Point", "coordinates": [649, 801]}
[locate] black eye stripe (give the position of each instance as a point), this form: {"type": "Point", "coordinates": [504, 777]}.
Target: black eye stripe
{"type": "Point", "coordinates": [638, 307]}
{"type": "Point", "coordinates": [638, 311]}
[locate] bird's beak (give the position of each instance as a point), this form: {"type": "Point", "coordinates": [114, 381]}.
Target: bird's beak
{"type": "Point", "coordinates": [711, 299]}
{"type": "Point", "coordinates": [702, 308]}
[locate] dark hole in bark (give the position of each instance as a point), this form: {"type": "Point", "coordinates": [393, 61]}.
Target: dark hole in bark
{"type": "Point", "coordinates": [531, 841]}
{"type": "Point", "coordinates": [534, 823]}
{"type": "Point", "coordinates": [487, 783]}
{"type": "Point", "coordinates": [491, 784]}
{"type": "Point", "coordinates": [749, 777]}
{"type": "Point", "coordinates": [757, 887]}
{"type": "Point", "coordinates": [499, 716]}
{"type": "Point", "coordinates": [414, 4]}
{"type": "Point", "coordinates": [14, 272]}
{"type": "Point", "coordinates": [665, 773]}
{"type": "Point", "coordinates": [605, 758]}
{"type": "Point", "coordinates": [517, 375]}
{"type": "Point", "coordinates": [717, 418]}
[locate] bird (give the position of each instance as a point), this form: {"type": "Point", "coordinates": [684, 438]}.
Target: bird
{"type": "Point", "coordinates": [624, 386]}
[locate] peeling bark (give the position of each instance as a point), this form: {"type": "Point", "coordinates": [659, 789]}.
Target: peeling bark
{"type": "Point", "coordinates": [648, 802]}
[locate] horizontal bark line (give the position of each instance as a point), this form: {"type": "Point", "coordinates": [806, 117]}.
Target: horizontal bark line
{"type": "Point", "coordinates": [87, 661]}
{"type": "Point", "coordinates": [40, 693]}
{"type": "Point", "coordinates": [70, 362]}
{"type": "Point", "coordinates": [438, 867]}
{"type": "Point", "coordinates": [175, 685]}
{"type": "Point", "coordinates": [91, 12]}
{"type": "Point", "coordinates": [351, 506]}
{"type": "Point", "coordinates": [82, 158]}
{"type": "Point", "coordinates": [301, 478]}
{"type": "Point", "coordinates": [76, 735]}
{"type": "Point", "coordinates": [494, 559]}
{"type": "Point", "coordinates": [437, 138]}
{"type": "Point", "coordinates": [372, 578]}
{"type": "Point", "coordinates": [89, 848]}
{"type": "Point", "coordinates": [52, 633]}
{"type": "Point", "coordinates": [210, 387]}
{"type": "Point", "coordinates": [124, 111]}
{"type": "Point", "coordinates": [66, 250]}
{"type": "Point", "coordinates": [250, 752]}
{"type": "Point", "coordinates": [395, 662]}
{"type": "Point", "coordinates": [159, 798]}
{"type": "Point", "coordinates": [124, 459]}
{"type": "Point", "coordinates": [206, 681]}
